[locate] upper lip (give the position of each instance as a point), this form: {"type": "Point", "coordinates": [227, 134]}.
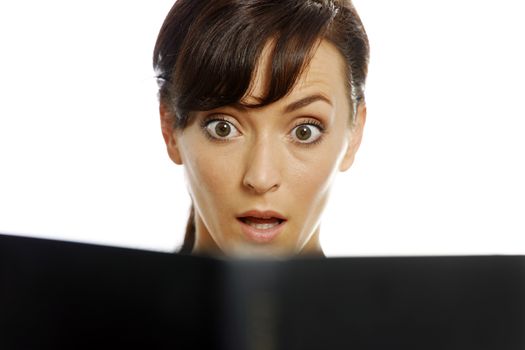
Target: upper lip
{"type": "Point", "coordinates": [262, 214]}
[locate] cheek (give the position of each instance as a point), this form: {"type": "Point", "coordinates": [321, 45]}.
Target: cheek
{"type": "Point", "coordinates": [312, 180]}
{"type": "Point", "coordinates": [315, 172]}
{"type": "Point", "coordinates": [206, 169]}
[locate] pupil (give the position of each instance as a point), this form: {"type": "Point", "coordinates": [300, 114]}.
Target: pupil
{"type": "Point", "coordinates": [303, 133]}
{"type": "Point", "coordinates": [222, 129]}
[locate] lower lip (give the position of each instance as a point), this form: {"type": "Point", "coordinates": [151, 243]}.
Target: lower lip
{"type": "Point", "coordinates": [261, 236]}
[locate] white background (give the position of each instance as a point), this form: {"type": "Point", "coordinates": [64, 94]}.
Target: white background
{"type": "Point", "coordinates": [441, 169]}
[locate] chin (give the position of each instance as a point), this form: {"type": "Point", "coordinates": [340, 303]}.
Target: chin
{"type": "Point", "coordinates": [259, 252]}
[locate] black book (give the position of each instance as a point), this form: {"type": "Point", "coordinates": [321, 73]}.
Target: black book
{"type": "Point", "coordinates": [63, 295]}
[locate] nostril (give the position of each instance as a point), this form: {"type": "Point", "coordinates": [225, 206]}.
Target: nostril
{"type": "Point", "coordinates": [260, 175]}
{"type": "Point", "coordinates": [261, 189]}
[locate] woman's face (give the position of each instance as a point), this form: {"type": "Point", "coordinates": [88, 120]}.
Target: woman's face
{"type": "Point", "coordinates": [260, 178]}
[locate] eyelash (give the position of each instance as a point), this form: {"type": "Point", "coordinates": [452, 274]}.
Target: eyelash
{"type": "Point", "coordinates": [314, 122]}
{"type": "Point", "coordinates": [204, 125]}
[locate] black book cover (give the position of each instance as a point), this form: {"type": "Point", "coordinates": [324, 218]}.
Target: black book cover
{"type": "Point", "coordinates": [63, 295]}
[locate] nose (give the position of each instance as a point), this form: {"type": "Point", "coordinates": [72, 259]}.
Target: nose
{"type": "Point", "coordinates": [262, 172]}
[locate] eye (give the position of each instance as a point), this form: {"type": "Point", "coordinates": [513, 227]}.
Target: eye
{"type": "Point", "coordinates": [307, 133]}
{"type": "Point", "coordinates": [220, 129]}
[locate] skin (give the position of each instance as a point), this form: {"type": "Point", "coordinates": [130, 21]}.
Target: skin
{"type": "Point", "coordinates": [262, 164]}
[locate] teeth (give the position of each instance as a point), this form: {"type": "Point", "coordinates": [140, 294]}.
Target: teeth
{"type": "Point", "coordinates": [261, 226]}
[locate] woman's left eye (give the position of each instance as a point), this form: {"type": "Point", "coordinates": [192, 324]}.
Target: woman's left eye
{"type": "Point", "coordinates": [307, 133]}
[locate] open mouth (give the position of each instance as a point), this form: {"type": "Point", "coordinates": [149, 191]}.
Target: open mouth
{"type": "Point", "coordinates": [262, 226]}
{"type": "Point", "coordinates": [261, 229]}
{"type": "Point", "coordinates": [261, 223]}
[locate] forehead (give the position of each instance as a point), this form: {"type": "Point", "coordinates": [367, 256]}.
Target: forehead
{"type": "Point", "coordinates": [324, 74]}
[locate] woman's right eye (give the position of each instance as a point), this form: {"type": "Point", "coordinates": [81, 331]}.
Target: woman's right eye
{"type": "Point", "coordinates": [220, 129]}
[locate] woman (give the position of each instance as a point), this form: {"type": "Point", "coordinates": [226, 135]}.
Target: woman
{"type": "Point", "coordinates": [262, 101]}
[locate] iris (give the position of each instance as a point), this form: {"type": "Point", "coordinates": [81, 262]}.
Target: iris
{"type": "Point", "coordinates": [303, 133]}
{"type": "Point", "coordinates": [222, 129]}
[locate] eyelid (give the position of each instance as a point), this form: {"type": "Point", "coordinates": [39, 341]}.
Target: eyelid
{"type": "Point", "coordinates": [311, 122]}
{"type": "Point", "coordinates": [217, 118]}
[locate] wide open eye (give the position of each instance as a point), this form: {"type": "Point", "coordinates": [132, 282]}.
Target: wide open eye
{"type": "Point", "coordinates": [307, 133]}
{"type": "Point", "coordinates": [221, 129]}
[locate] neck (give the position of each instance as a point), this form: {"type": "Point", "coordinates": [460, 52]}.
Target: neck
{"type": "Point", "coordinates": [313, 248]}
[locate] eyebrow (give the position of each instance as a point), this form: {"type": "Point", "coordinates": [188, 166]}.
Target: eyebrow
{"type": "Point", "coordinates": [305, 102]}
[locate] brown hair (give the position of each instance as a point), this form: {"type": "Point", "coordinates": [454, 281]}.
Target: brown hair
{"type": "Point", "coordinates": [207, 51]}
